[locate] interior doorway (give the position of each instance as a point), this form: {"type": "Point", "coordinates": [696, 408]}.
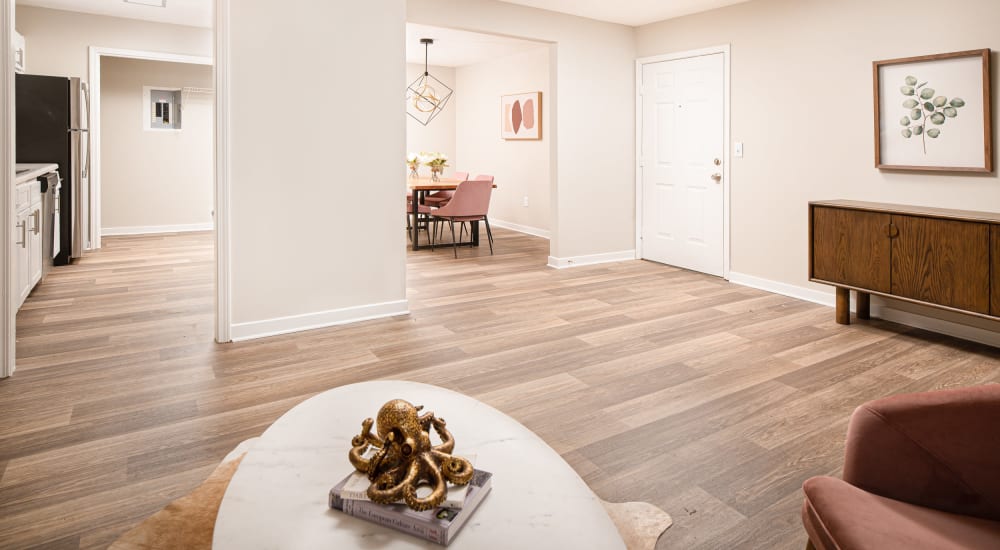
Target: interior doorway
{"type": "Point", "coordinates": [479, 70]}
{"type": "Point", "coordinates": [219, 246]}
{"type": "Point", "coordinates": [682, 186]}
{"type": "Point", "coordinates": [178, 88]}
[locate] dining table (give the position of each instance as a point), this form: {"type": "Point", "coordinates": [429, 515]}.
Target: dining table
{"type": "Point", "coordinates": [419, 188]}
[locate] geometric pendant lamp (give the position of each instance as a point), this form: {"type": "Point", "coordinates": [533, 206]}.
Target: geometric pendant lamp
{"type": "Point", "coordinates": [426, 96]}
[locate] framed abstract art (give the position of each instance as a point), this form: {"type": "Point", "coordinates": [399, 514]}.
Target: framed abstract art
{"type": "Point", "coordinates": [521, 116]}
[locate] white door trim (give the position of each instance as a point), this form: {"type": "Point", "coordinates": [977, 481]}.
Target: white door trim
{"type": "Point", "coordinates": [726, 172]}
{"type": "Point", "coordinates": [223, 168]}
{"type": "Point", "coordinates": [94, 78]}
{"type": "Point", "coordinates": [7, 279]}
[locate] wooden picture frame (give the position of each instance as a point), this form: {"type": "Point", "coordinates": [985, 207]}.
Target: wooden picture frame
{"type": "Point", "coordinates": [521, 116]}
{"type": "Point", "coordinates": [918, 127]}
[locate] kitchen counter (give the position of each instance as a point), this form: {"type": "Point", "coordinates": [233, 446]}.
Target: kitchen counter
{"type": "Point", "coordinates": [32, 171]}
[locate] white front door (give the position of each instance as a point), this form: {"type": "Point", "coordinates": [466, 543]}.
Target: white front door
{"type": "Point", "coordinates": [683, 145]}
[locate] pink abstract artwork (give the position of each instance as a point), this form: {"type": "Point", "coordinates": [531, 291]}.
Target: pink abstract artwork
{"type": "Point", "coordinates": [521, 116]}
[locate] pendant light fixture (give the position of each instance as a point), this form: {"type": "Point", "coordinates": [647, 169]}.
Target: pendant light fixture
{"type": "Point", "coordinates": [426, 96]}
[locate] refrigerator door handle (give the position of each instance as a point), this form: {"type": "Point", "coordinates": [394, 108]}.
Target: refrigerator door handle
{"type": "Point", "coordinates": [86, 121]}
{"type": "Point", "coordinates": [86, 164]}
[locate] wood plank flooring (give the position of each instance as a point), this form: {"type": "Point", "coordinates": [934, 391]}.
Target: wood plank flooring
{"type": "Point", "coordinates": [711, 400]}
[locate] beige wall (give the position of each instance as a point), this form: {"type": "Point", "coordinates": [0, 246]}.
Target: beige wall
{"type": "Point", "coordinates": [58, 41]}
{"type": "Point", "coordinates": [592, 109]}
{"type": "Point", "coordinates": [155, 178]}
{"type": "Point", "coordinates": [802, 104]}
{"type": "Point", "coordinates": [439, 135]}
{"type": "Point", "coordinates": [318, 135]}
{"type": "Point", "coordinates": [521, 168]}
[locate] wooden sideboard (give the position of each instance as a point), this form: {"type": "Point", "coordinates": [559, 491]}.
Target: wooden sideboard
{"type": "Point", "coordinates": [949, 259]}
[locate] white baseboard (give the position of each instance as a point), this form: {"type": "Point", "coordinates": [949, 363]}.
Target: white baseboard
{"type": "Point", "coordinates": [526, 229]}
{"type": "Point", "coordinates": [319, 319]}
{"type": "Point", "coordinates": [882, 311]}
{"type": "Point", "coordinates": [154, 229]}
{"type": "Point", "coordinates": [802, 293]}
{"type": "Point", "coordinates": [577, 261]}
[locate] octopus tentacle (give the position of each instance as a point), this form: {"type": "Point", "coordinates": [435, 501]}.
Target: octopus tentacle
{"type": "Point", "coordinates": [360, 443]}
{"type": "Point", "coordinates": [437, 482]}
{"type": "Point", "coordinates": [454, 468]}
{"type": "Point", "coordinates": [447, 441]}
{"type": "Point", "coordinates": [388, 488]}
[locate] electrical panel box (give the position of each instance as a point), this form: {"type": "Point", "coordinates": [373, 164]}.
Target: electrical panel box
{"type": "Point", "coordinates": [164, 109]}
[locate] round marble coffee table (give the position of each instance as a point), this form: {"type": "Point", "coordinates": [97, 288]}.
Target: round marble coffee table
{"type": "Point", "coordinates": [278, 497]}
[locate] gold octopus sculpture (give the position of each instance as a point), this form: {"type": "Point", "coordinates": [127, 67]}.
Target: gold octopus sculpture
{"type": "Point", "coordinates": [405, 458]}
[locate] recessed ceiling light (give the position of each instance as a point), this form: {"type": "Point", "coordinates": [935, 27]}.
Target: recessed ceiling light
{"type": "Point", "coordinates": [152, 3]}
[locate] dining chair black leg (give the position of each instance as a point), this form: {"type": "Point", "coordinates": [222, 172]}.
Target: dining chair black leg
{"type": "Point", "coordinates": [454, 243]}
{"type": "Point", "coordinates": [489, 234]}
{"type": "Point", "coordinates": [433, 231]}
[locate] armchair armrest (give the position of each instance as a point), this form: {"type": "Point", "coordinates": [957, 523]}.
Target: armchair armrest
{"type": "Point", "coordinates": [939, 450]}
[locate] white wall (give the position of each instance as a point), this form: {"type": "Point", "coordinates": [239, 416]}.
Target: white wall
{"type": "Point", "coordinates": [58, 41]}
{"type": "Point", "coordinates": [439, 135]}
{"type": "Point", "coordinates": [790, 58]}
{"type": "Point", "coordinates": [592, 109]}
{"type": "Point", "coordinates": [155, 178]}
{"type": "Point", "coordinates": [522, 168]}
{"type": "Point", "coordinates": [317, 139]}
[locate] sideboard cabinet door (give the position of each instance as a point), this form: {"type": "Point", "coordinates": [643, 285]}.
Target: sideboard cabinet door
{"type": "Point", "coordinates": [851, 247]}
{"type": "Point", "coordinates": [942, 262]}
{"type": "Point", "coordinates": [995, 277]}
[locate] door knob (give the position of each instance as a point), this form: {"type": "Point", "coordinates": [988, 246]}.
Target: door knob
{"type": "Point", "coordinates": [717, 177]}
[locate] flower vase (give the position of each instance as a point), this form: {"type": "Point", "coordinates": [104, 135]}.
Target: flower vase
{"type": "Point", "coordinates": [436, 173]}
{"type": "Point", "coordinates": [413, 171]}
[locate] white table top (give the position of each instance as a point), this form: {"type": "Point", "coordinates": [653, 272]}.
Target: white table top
{"type": "Point", "coordinates": [278, 497]}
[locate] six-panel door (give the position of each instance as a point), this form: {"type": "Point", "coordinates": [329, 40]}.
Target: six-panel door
{"type": "Point", "coordinates": [943, 262]}
{"type": "Point", "coordinates": [851, 247]}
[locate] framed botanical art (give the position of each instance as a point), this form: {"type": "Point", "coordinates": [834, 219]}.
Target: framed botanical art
{"type": "Point", "coordinates": [521, 116]}
{"type": "Point", "coordinates": [932, 113]}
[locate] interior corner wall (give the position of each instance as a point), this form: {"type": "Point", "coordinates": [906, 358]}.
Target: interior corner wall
{"type": "Point", "coordinates": [592, 108]}
{"type": "Point", "coordinates": [58, 42]}
{"type": "Point", "coordinates": [521, 168]}
{"type": "Point", "coordinates": [155, 178]}
{"type": "Point", "coordinates": [440, 134]}
{"type": "Point", "coordinates": [317, 225]}
{"type": "Point", "coordinates": [802, 105]}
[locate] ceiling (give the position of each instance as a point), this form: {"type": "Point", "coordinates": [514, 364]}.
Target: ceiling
{"type": "Point", "coordinates": [196, 13]}
{"type": "Point", "coordinates": [453, 48]}
{"type": "Point", "coordinates": [627, 12]}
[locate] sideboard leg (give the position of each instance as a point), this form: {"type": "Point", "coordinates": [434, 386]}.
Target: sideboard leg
{"type": "Point", "coordinates": [864, 305]}
{"type": "Point", "coordinates": [843, 306]}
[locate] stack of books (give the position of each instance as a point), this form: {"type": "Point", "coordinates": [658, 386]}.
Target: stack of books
{"type": "Point", "coordinates": [439, 525]}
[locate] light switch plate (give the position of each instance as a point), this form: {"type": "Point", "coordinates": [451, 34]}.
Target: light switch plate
{"type": "Point", "coordinates": [738, 149]}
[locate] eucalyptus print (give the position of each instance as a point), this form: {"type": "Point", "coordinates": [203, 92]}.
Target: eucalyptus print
{"type": "Point", "coordinates": [926, 110]}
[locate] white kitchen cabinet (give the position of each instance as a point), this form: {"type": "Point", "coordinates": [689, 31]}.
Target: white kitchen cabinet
{"type": "Point", "coordinates": [28, 237]}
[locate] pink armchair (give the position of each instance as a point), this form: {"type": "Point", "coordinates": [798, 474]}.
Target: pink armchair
{"type": "Point", "coordinates": [471, 203]}
{"type": "Point", "coordinates": [922, 471]}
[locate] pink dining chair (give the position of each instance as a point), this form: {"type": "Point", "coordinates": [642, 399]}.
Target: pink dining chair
{"type": "Point", "coordinates": [441, 198]}
{"type": "Point", "coordinates": [479, 177]}
{"type": "Point", "coordinates": [470, 203]}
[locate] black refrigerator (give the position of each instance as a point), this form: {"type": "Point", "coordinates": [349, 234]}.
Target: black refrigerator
{"type": "Point", "coordinates": [52, 126]}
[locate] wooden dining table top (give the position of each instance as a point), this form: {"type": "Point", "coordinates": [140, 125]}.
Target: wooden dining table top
{"type": "Point", "coordinates": [427, 184]}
